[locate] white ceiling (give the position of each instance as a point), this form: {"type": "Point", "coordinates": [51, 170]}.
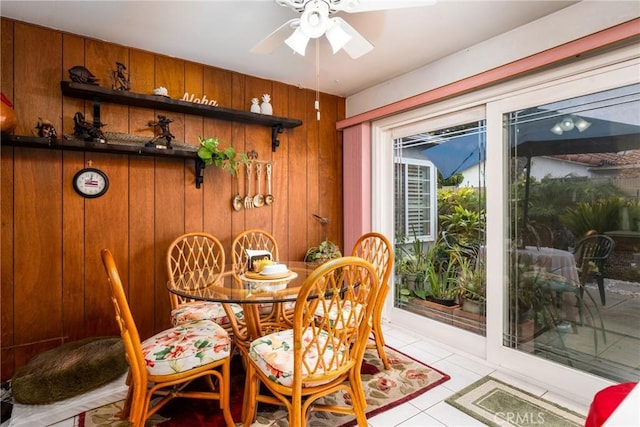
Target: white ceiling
{"type": "Point", "coordinates": [222, 33]}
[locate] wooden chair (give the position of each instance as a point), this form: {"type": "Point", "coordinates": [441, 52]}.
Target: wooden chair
{"type": "Point", "coordinates": [376, 248]}
{"type": "Point", "coordinates": [156, 369]}
{"type": "Point", "coordinates": [193, 256]}
{"type": "Point", "coordinates": [321, 354]}
{"type": "Point", "coordinates": [251, 239]}
{"type": "Point", "coordinates": [591, 254]}
{"type": "Point", "coordinates": [254, 239]}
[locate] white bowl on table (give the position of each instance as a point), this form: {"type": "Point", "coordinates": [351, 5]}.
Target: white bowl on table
{"type": "Point", "coordinates": [274, 270]}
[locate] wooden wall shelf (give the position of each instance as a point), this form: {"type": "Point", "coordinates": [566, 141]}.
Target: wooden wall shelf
{"type": "Point", "coordinates": [79, 145]}
{"type": "Point", "coordinates": [99, 94]}
{"type": "Point", "coordinates": [106, 147]}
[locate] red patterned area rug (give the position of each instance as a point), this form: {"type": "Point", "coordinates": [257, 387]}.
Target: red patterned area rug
{"type": "Point", "coordinates": [384, 390]}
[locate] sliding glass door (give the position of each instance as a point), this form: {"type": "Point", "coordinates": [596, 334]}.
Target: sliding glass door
{"type": "Point", "coordinates": [574, 226]}
{"type": "Point", "coordinates": [541, 168]}
{"type": "Point", "coordinates": [568, 171]}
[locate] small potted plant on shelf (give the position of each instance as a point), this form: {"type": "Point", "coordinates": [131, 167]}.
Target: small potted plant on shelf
{"type": "Point", "coordinates": [225, 159]}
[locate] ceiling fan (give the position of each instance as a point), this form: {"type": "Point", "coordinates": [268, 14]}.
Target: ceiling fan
{"type": "Point", "coordinates": [316, 21]}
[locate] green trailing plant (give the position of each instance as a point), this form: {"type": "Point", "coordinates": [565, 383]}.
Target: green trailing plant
{"type": "Point", "coordinates": [226, 159]}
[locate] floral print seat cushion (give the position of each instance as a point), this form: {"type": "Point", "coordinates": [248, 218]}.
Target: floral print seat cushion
{"type": "Point", "coordinates": [184, 347]}
{"type": "Point", "coordinates": [273, 355]}
{"type": "Point", "coordinates": [200, 310]}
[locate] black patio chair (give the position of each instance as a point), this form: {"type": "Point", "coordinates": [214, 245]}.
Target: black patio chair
{"type": "Point", "coordinates": [591, 255]}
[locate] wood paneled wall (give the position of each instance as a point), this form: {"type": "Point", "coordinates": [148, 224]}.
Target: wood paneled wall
{"type": "Point", "coordinates": [54, 289]}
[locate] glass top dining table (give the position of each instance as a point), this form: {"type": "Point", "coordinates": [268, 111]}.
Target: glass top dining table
{"type": "Point", "coordinates": [267, 301]}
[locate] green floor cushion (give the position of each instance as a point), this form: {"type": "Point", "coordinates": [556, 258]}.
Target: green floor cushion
{"type": "Point", "coordinates": [69, 370]}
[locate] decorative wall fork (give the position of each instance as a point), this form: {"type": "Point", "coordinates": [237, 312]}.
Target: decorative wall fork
{"type": "Point", "coordinates": [248, 200]}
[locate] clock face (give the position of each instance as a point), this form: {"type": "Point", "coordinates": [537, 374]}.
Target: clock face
{"type": "Point", "coordinates": [90, 183]}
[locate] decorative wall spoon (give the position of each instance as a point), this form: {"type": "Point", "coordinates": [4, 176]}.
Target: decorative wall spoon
{"type": "Point", "coordinates": [258, 200]}
{"type": "Point", "coordinates": [268, 199]}
{"type": "Point", "coordinates": [237, 201]}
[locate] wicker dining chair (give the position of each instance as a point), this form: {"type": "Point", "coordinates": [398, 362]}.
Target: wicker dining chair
{"type": "Point", "coordinates": [197, 254]}
{"type": "Point", "coordinates": [376, 248]}
{"type": "Point", "coordinates": [320, 354]}
{"type": "Point", "coordinates": [157, 370]}
{"type": "Point", "coordinates": [253, 239]}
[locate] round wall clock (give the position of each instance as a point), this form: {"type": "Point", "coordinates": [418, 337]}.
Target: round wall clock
{"type": "Point", "coordinates": [90, 182]}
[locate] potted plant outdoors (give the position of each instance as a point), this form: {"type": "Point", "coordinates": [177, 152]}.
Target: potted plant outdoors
{"type": "Point", "coordinates": [439, 281]}
{"type": "Point", "coordinates": [471, 284]}
{"type": "Point", "coordinates": [209, 153]}
{"type": "Point", "coordinates": [325, 251]}
{"type": "Point", "coordinates": [411, 262]}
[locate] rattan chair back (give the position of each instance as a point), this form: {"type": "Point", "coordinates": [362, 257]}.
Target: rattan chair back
{"type": "Point", "coordinates": [193, 258]}
{"type": "Point", "coordinates": [377, 249]}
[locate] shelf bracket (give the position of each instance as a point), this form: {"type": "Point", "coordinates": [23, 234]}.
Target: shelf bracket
{"type": "Point", "coordinates": [275, 142]}
{"type": "Point", "coordinates": [199, 172]}
{"type": "Point", "coordinates": [96, 112]}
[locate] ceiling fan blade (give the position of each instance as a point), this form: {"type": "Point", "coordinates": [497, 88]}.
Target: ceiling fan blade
{"type": "Point", "coordinates": [276, 38]}
{"type": "Point", "coordinates": [358, 45]}
{"type": "Point", "coordinates": [354, 6]}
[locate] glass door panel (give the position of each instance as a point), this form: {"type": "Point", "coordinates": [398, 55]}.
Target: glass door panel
{"type": "Point", "coordinates": [440, 225]}
{"type": "Point", "coordinates": [573, 295]}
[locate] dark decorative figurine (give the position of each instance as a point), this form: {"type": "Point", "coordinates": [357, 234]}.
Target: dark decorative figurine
{"type": "Point", "coordinates": [120, 78]}
{"type": "Point", "coordinates": [86, 130]}
{"type": "Point", "coordinates": [80, 74]}
{"type": "Point", "coordinates": [164, 133]}
{"type": "Point", "coordinates": [45, 129]}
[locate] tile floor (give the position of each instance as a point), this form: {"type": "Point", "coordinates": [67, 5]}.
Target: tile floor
{"type": "Point", "coordinates": [430, 409]}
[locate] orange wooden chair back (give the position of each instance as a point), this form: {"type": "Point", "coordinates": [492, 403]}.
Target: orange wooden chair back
{"type": "Point", "coordinates": [328, 346]}
{"type": "Point", "coordinates": [376, 248]}
{"type": "Point", "coordinates": [251, 239]}
{"type": "Point", "coordinates": [193, 253]}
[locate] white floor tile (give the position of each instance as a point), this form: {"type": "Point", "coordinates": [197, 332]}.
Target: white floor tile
{"type": "Point", "coordinates": [450, 416]}
{"type": "Point", "coordinates": [432, 397]}
{"type": "Point", "coordinates": [516, 382]}
{"type": "Point", "coordinates": [421, 420]}
{"type": "Point", "coordinates": [399, 339]}
{"type": "Point", "coordinates": [429, 347]}
{"type": "Point", "coordinates": [394, 416]}
{"type": "Point", "coordinates": [561, 400]}
{"type": "Point", "coordinates": [460, 377]}
{"type": "Point", "coordinates": [472, 364]}
{"type": "Point", "coordinates": [420, 354]}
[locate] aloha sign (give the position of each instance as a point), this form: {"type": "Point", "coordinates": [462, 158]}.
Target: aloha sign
{"type": "Point", "coordinates": [203, 100]}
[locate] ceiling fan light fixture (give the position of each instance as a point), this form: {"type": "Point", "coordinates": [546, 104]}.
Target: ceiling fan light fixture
{"type": "Point", "coordinates": [557, 129]}
{"type": "Point", "coordinates": [298, 41]}
{"type": "Point", "coordinates": [337, 36]}
{"type": "Point", "coordinates": [581, 124]}
{"type": "Point", "coordinates": [315, 19]}
{"type": "Point", "coordinates": [566, 124]}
